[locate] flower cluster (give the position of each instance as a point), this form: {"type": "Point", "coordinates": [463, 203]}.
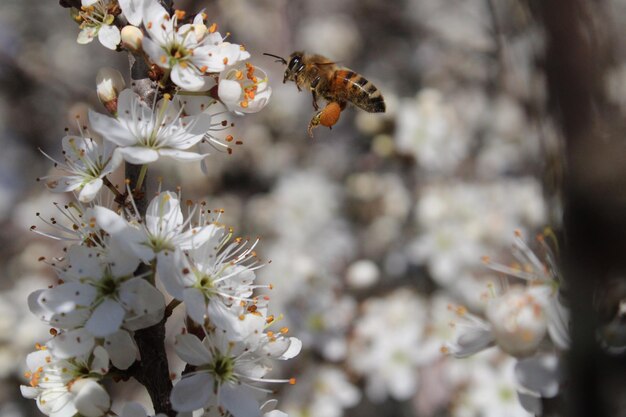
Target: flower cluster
{"type": "Point", "coordinates": [528, 322]}
{"type": "Point", "coordinates": [119, 256]}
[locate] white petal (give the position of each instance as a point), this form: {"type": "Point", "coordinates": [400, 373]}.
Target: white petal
{"type": "Point", "coordinates": [100, 361]}
{"type": "Point", "coordinates": [275, 413]}
{"type": "Point", "coordinates": [194, 237]}
{"type": "Point", "coordinates": [133, 10]}
{"type": "Point", "coordinates": [530, 403]}
{"type": "Point", "coordinates": [90, 190]}
{"type": "Point", "coordinates": [157, 22]}
{"type": "Point", "coordinates": [195, 304]}
{"type": "Point", "coordinates": [133, 409]}
{"type": "Point", "coordinates": [72, 343]}
{"type": "Point", "coordinates": [123, 233]}
{"type": "Point", "coordinates": [191, 350]}
{"type": "Point", "coordinates": [471, 342]}
{"type": "Point", "coordinates": [192, 393]}
{"type": "Point", "coordinates": [155, 52]}
{"type": "Point", "coordinates": [237, 327]}
{"type": "Point", "coordinates": [109, 36]}
{"type": "Point", "coordinates": [63, 184]}
{"type": "Point", "coordinates": [122, 261]}
{"type": "Point", "coordinates": [145, 303]}
{"type": "Point", "coordinates": [84, 262]}
{"type": "Point", "coordinates": [36, 359]}
{"type": "Point", "coordinates": [260, 101]}
{"type": "Point", "coordinates": [122, 349]}
{"type": "Point", "coordinates": [239, 400]}
{"type": "Point", "coordinates": [106, 319]}
{"type": "Point", "coordinates": [187, 78]}
{"type": "Point", "coordinates": [65, 297]}
{"type": "Point", "coordinates": [558, 323]}
{"type": "Point", "coordinates": [539, 374]}
{"type": "Point", "coordinates": [67, 408]}
{"type": "Point", "coordinates": [35, 306]}
{"type": "Point", "coordinates": [169, 270]}
{"type": "Point", "coordinates": [111, 129]}
{"type": "Point", "coordinates": [110, 221]}
{"type": "Point", "coordinates": [86, 35]}
{"type": "Point", "coordinates": [229, 92]}
{"type": "Point", "coordinates": [294, 349]}
{"type": "Point", "coordinates": [163, 214]}
{"type": "Point", "coordinates": [70, 320]}
{"type": "Point", "coordinates": [29, 392]}
{"type": "Point", "coordinates": [139, 155]}
{"type": "Point", "coordinates": [182, 156]}
{"type": "Point", "coordinates": [91, 400]}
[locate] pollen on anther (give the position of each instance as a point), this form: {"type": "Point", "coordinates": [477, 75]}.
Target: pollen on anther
{"type": "Point", "coordinates": [292, 381]}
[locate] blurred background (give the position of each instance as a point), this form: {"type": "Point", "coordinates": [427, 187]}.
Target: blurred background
{"type": "Point", "coordinates": [373, 227]}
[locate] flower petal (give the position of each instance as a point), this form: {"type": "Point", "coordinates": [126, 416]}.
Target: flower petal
{"type": "Point", "coordinates": [90, 190]}
{"type": "Point", "coordinates": [192, 393]}
{"type": "Point", "coordinates": [109, 36]}
{"type": "Point", "coordinates": [187, 78]}
{"type": "Point", "coordinates": [122, 349]}
{"type": "Point", "coordinates": [106, 319]}
{"type": "Point", "coordinates": [72, 343]}
{"type": "Point", "coordinates": [138, 155]}
{"type": "Point", "coordinates": [239, 400]}
{"type": "Point", "coordinates": [110, 128]}
{"type": "Point", "coordinates": [191, 350]}
{"type": "Point", "coordinates": [144, 302]}
{"type": "Point", "coordinates": [91, 399]}
{"type": "Point", "coordinates": [182, 156]}
{"type": "Point", "coordinates": [133, 10]}
{"type": "Point", "coordinates": [195, 304]}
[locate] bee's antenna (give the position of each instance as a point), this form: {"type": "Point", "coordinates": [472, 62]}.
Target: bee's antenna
{"type": "Point", "coordinates": [280, 59]}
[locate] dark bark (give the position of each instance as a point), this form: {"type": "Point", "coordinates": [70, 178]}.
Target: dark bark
{"type": "Point", "coordinates": [578, 50]}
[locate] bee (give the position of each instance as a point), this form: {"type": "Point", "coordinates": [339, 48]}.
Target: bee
{"type": "Point", "coordinates": [337, 85]}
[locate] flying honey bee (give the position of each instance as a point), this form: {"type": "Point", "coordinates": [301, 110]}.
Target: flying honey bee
{"type": "Point", "coordinates": [337, 85]}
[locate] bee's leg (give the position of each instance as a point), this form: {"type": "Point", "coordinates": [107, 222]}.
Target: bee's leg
{"type": "Point", "coordinates": [314, 84]}
{"type": "Point", "coordinates": [328, 116]}
{"type": "Point", "coordinates": [315, 122]}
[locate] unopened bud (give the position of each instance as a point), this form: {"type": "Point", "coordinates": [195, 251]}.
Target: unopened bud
{"type": "Point", "coordinates": [109, 84]}
{"type": "Point", "coordinates": [131, 38]}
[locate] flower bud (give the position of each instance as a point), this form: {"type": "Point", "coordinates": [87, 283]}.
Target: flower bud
{"type": "Point", "coordinates": [518, 322]}
{"type": "Point", "coordinates": [132, 37]}
{"type": "Point", "coordinates": [109, 83]}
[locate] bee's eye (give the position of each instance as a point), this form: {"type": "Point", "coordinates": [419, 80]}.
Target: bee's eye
{"type": "Point", "coordinates": [294, 63]}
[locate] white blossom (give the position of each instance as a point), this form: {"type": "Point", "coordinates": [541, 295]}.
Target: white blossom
{"type": "Point", "coordinates": [144, 134]}
{"type": "Point", "coordinates": [384, 345]}
{"type": "Point", "coordinates": [228, 373]}
{"type": "Point", "coordinates": [85, 165]}
{"type": "Point", "coordinates": [64, 387]}
{"type": "Point", "coordinates": [188, 52]}
{"type": "Point", "coordinates": [244, 88]}
{"type": "Point", "coordinates": [163, 232]}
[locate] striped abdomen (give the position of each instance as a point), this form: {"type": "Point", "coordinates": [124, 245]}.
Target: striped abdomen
{"type": "Point", "coordinates": [350, 86]}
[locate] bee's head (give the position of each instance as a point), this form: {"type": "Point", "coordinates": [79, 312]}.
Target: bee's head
{"type": "Point", "coordinates": [294, 66]}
